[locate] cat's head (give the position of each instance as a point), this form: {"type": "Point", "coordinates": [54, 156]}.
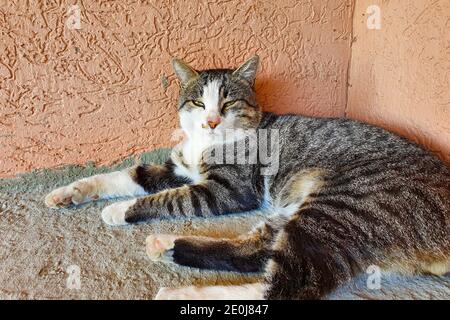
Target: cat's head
{"type": "Point", "coordinates": [214, 101]}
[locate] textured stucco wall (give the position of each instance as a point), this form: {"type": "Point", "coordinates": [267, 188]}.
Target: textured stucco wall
{"type": "Point", "coordinates": [106, 91]}
{"type": "Point", "coordinates": [400, 74]}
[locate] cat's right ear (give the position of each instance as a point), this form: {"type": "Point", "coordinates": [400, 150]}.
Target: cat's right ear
{"type": "Point", "coordinates": [248, 69]}
{"type": "Point", "coordinates": [184, 72]}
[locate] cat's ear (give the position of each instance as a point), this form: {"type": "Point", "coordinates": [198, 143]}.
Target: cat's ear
{"type": "Point", "coordinates": [184, 72]}
{"type": "Point", "coordinates": [248, 69]}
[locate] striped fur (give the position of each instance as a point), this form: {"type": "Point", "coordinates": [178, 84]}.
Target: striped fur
{"type": "Point", "coordinates": [346, 194]}
{"type": "Point", "coordinates": [380, 200]}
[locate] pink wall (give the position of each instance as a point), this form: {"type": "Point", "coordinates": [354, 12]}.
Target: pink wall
{"type": "Point", "coordinates": [100, 93]}
{"type": "Point", "coordinates": [106, 91]}
{"type": "Point", "coordinates": [400, 74]}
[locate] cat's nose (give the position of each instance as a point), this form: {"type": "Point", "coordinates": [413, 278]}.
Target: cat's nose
{"type": "Point", "coordinates": [214, 122]}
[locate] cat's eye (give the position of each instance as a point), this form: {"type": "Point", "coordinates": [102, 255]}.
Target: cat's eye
{"type": "Point", "coordinates": [228, 104]}
{"type": "Point", "coordinates": [198, 104]}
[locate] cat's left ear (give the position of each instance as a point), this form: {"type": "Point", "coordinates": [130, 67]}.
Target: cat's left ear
{"type": "Point", "coordinates": [248, 69]}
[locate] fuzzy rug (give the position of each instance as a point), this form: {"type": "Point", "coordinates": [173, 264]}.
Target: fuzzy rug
{"type": "Point", "coordinates": [42, 249]}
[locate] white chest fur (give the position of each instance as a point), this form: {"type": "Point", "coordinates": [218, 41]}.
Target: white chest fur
{"type": "Point", "coordinates": [188, 157]}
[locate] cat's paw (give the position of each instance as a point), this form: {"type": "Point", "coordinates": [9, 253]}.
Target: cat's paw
{"type": "Point", "coordinates": [185, 293]}
{"type": "Point", "coordinates": [249, 291]}
{"type": "Point", "coordinates": [75, 193]}
{"type": "Point", "coordinates": [114, 214]}
{"type": "Point", "coordinates": [194, 293]}
{"type": "Point", "coordinates": [157, 246]}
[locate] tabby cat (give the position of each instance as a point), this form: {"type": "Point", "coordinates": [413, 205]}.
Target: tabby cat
{"type": "Point", "coordinates": [344, 195]}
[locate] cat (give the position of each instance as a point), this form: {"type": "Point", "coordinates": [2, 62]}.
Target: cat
{"type": "Point", "coordinates": [343, 196]}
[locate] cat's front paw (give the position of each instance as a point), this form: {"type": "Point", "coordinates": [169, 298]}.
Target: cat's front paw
{"type": "Point", "coordinates": [156, 245]}
{"type": "Point", "coordinates": [75, 193]}
{"type": "Point", "coordinates": [114, 214]}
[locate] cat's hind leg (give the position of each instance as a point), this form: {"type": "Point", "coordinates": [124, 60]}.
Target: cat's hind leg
{"type": "Point", "coordinates": [239, 255]}
{"type": "Point", "coordinates": [246, 253]}
{"type": "Point", "coordinates": [243, 254]}
{"type": "Point", "coordinates": [301, 265]}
